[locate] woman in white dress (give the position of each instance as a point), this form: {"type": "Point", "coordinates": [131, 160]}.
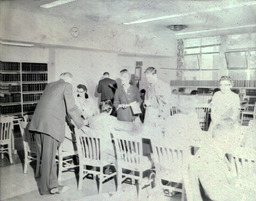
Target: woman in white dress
{"type": "Point", "coordinates": [225, 103]}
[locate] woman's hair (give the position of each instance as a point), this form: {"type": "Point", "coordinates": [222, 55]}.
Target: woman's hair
{"type": "Point", "coordinates": [226, 78]}
{"type": "Point", "coordinates": [82, 86]}
{"type": "Point", "coordinates": [106, 106]}
{"type": "Point", "coordinates": [151, 70]}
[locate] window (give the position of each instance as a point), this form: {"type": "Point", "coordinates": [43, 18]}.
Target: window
{"type": "Point", "coordinates": [252, 59]}
{"type": "Point", "coordinates": [236, 60]}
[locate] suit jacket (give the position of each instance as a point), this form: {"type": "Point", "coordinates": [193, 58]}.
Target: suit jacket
{"type": "Point", "coordinates": [107, 93]}
{"type": "Point", "coordinates": [49, 116]}
{"type": "Point", "coordinates": [121, 97]}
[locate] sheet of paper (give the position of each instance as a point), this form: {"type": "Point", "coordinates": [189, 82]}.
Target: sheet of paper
{"type": "Point", "coordinates": [135, 107]}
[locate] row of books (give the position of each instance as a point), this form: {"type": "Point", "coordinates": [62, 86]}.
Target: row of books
{"type": "Point", "coordinates": [31, 97]}
{"type": "Point", "coordinates": [34, 87]}
{"type": "Point", "coordinates": [29, 107]}
{"type": "Point", "coordinates": [34, 67]}
{"type": "Point", "coordinates": [211, 83]}
{"type": "Point", "coordinates": [10, 109]}
{"type": "Point", "coordinates": [9, 88]}
{"type": "Point", "coordinates": [10, 98]}
{"type": "Point", "coordinates": [9, 77]}
{"type": "Point", "coordinates": [9, 66]}
{"type": "Point", "coordinates": [35, 77]}
{"type": "Point", "coordinates": [250, 92]}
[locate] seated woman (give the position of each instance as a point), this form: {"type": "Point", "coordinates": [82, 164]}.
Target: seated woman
{"type": "Point", "coordinates": [86, 105]}
{"type": "Point", "coordinates": [183, 128]}
{"type": "Point", "coordinates": [211, 168]}
{"type": "Point", "coordinates": [225, 103]}
{"type": "Point", "coordinates": [107, 123]}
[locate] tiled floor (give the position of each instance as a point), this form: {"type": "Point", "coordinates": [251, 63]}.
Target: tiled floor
{"type": "Point", "coordinates": [23, 187]}
{"type": "Point", "coordinates": [15, 185]}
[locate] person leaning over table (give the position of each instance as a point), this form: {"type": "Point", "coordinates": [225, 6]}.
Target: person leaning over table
{"type": "Point", "coordinates": [48, 124]}
{"type": "Point", "coordinates": [159, 99]}
{"type": "Point", "coordinates": [225, 103]}
{"type": "Point", "coordinates": [212, 169]}
{"type": "Point", "coordinates": [125, 95]}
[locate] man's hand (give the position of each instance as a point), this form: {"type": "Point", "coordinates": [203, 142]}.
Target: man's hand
{"type": "Point", "coordinates": [123, 106]}
{"type": "Point", "coordinates": [146, 103]}
{"type": "Point", "coordinates": [85, 129]}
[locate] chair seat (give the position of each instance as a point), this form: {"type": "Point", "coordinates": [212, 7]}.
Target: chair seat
{"type": "Point", "coordinates": [169, 175]}
{"type": "Point", "coordinates": [144, 165]}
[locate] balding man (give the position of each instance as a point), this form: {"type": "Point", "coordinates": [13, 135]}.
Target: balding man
{"type": "Point", "coordinates": [48, 124]}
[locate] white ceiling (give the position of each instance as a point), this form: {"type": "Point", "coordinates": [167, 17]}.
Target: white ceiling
{"type": "Point", "coordinates": [200, 16]}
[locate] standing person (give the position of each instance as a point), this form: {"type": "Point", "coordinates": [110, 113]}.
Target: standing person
{"type": "Point", "coordinates": [48, 124]}
{"type": "Point", "coordinates": [125, 95]}
{"type": "Point", "coordinates": [107, 88]}
{"type": "Point", "coordinates": [143, 110]}
{"type": "Point", "coordinates": [225, 103]}
{"type": "Point", "coordinates": [158, 98]}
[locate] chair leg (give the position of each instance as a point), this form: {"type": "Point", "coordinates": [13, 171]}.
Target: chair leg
{"type": "Point", "coordinates": [80, 179]}
{"type": "Point", "coordinates": [60, 167]}
{"type": "Point", "coordinates": [183, 193]}
{"type": "Point", "coordinates": [119, 180]}
{"type": "Point", "coordinates": [100, 177]}
{"type": "Point", "coordinates": [26, 163]}
{"type": "Point", "coordinates": [10, 153]}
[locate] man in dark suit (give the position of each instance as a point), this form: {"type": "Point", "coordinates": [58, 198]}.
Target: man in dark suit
{"type": "Point", "coordinates": [107, 88]}
{"type": "Point", "coordinates": [48, 124]}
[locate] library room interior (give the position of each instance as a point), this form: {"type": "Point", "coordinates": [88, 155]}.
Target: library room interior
{"type": "Point", "coordinates": [128, 100]}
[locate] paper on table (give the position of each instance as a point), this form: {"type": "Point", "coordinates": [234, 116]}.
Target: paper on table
{"type": "Point", "coordinates": [135, 107]}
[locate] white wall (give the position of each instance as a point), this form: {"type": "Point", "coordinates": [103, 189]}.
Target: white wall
{"type": "Point", "coordinates": [97, 49]}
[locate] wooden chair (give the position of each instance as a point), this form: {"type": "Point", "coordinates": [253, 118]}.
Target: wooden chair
{"type": "Point", "coordinates": [130, 160]}
{"type": "Point", "coordinates": [170, 163]}
{"type": "Point", "coordinates": [30, 149]}
{"type": "Point", "coordinates": [243, 162]}
{"type": "Point", "coordinates": [67, 155]}
{"type": "Point", "coordinates": [203, 113]}
{"type": "Point", "coordinates": [173, 110]}
{"type": "Point", "coordinates": [90, 158]}
{"type": "Point", "coordinates": [248, 114]}
{"type": "Point", "coordinates": [6, 136]}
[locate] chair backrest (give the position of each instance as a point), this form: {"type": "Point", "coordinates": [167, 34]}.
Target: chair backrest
{"type": "Point", "coordinates": [128, 149]}
{"type": "Point", "coordinates": [173, 110]}
{"type": "Point", "coordinates": [170, 158]}
{"type": "Point", "coordinates": [29, 142]}
{"type": "Point", "coordinates": [244, 162]}
{"type": "Point", "coordinates": [88, 146]}
{"type": "Point", "coordinates": [6, 129]}
{"type": "Point", "coordinates": [203, 116]}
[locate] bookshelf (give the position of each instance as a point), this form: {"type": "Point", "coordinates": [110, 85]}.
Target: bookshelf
{"type": "Point", "coordinates": [22, 85]}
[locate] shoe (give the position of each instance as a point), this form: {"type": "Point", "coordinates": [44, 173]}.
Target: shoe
{"type": "Point", "coordinates": [63, 189]}
{"type": "Point", "coordinates": [54, 191]}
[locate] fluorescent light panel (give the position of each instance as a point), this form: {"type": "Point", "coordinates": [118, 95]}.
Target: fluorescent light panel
{"type": "Point", "coordinates": [217, 29]}
{"type": "Point", "coordinates": [17, 44]}
{"type": "Point", "coordinates": [56, 3]}
{"type": "Point", "coordinates": [192, 13]}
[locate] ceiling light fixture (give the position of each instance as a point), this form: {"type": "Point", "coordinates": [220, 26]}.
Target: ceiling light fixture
{"type": "Point", "coordinates": [56, 3]}
{"type": "Point", "coordinates": [235, 5]}
{"type": "Point", "coordinates": [217, 29]}
{"type": "Point", "coordinates": [177, 27]}
{"type": "Point", "coordinates": [16, 44]}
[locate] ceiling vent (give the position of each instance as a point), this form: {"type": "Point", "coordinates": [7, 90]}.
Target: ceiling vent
{"type": "Point", "coordinates": [177, 27]}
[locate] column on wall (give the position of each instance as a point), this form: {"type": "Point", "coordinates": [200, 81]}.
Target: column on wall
{"type": "Point", "coordinates": [180, 59]}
